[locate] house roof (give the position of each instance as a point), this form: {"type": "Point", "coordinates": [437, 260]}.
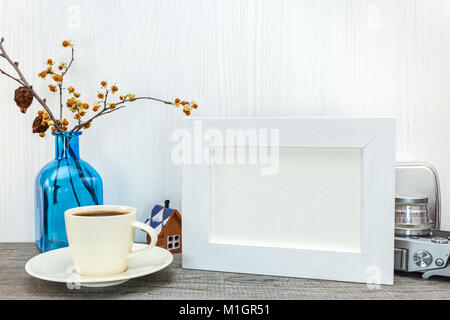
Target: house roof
{"type": "Point", "coordinates": [174, 215]}
{"type": "Point", "coordinates": [160, 215]}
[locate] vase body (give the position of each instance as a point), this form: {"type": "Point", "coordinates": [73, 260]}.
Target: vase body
{"type": "Point", "coordinates": [65, 182]}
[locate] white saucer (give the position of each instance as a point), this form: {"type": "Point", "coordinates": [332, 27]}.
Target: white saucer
{"type": "Point", "coordinates": [57, 266]}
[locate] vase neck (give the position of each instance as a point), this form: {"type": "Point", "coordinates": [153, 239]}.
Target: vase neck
{"type": "Point", "coordinates": [66, 145]}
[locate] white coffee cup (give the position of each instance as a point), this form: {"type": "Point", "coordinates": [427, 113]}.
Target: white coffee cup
{"type": "Point", "coordinates": [101, 245]}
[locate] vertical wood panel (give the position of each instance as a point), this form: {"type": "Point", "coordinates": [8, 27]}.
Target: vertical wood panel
{"type": "Point", "coordinates": [236, 58]}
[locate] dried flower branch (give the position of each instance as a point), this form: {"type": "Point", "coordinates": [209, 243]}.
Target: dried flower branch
{"type": "Point", "coordinates": [107, 108]}
{"type": "Point", "coordinates": [45, 118]}
{"type": "Point", "coordinates": [23, 81]}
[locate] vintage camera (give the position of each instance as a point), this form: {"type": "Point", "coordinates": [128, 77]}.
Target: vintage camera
{"type": "Point", "coordinates": [420, 245]}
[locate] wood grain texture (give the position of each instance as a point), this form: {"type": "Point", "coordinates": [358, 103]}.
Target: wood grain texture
{"type": "Point", "coordinates": [235, 58]}
{"type": "Point", "coordinates": [177, 283]}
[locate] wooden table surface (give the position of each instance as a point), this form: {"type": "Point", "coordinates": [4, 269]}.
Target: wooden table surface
{"type": "Point", "coordinates": [177, 283]}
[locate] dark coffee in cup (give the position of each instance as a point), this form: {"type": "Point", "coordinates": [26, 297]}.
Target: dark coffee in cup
{"type": "Point", "coordinates": [99, 213]}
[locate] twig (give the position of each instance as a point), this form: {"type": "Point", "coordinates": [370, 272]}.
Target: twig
{"type": "Point", "coordinates": [105, 109]}
{"type": "Point", "coordinates": [112, 110]}
{"type": "Point", "coordinates": [70, 63]}
{"type": "Point", "coordinates": [106, 99]}
{"type": "Point", "coordinates": [15, 65]}
{"type": "Point", "coordinates": [60, 100]}
{"type": "Point", "coordinates": [63, 73]}
{"type": "Point", "coordinates": [8, 75]}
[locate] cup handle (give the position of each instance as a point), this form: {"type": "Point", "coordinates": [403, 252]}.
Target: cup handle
{"type": "Point", "coordinates": [151, 233]}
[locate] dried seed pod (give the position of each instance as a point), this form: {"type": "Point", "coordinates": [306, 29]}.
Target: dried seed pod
{"type": "Point", "coordinates": [38, 126]}
{"type": "Point", "coordinates": [23, 97]}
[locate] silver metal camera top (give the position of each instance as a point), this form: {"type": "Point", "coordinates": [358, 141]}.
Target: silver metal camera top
{"type": "Point", "coordinates": [421, 178]}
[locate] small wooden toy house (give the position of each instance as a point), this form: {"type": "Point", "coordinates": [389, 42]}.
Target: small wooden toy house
{"type": "Point", "coordinates": [167, 224]}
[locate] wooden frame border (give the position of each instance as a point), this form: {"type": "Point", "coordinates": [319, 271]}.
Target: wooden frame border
{"type": "Point", "coordinates": [376, 138]}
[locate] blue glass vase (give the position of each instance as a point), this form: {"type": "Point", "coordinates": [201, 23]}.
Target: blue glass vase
{"type": "Point", "coordinates": [65, 182]}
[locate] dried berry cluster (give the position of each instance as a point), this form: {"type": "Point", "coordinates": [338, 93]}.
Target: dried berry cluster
{"type": "Point", "coordinates": [187, 106]}
{"type": "Point", "coordinates": [82, 113]}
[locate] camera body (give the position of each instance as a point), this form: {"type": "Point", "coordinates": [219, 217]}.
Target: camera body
{"type": "Point", "coordinates": [426, 253]}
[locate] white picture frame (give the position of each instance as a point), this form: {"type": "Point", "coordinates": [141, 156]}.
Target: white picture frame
{"type": "Point", "coordinates": [367, 256]}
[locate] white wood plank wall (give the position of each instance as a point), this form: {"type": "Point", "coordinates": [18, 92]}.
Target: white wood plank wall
{"type": "Point", "coordinates": [236, 58]}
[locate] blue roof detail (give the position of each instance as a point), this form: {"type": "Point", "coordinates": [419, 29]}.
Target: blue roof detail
{"type": "Point", "coordinates": [158, 217]}
{"type": "Point", "coordinates": [167, 213]}
{"type": "Point", "coordinates": [156, 209]}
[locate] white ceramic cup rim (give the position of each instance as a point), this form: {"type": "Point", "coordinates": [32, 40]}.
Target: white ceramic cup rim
{"type": "Point", "coordinates": [106, 207]}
